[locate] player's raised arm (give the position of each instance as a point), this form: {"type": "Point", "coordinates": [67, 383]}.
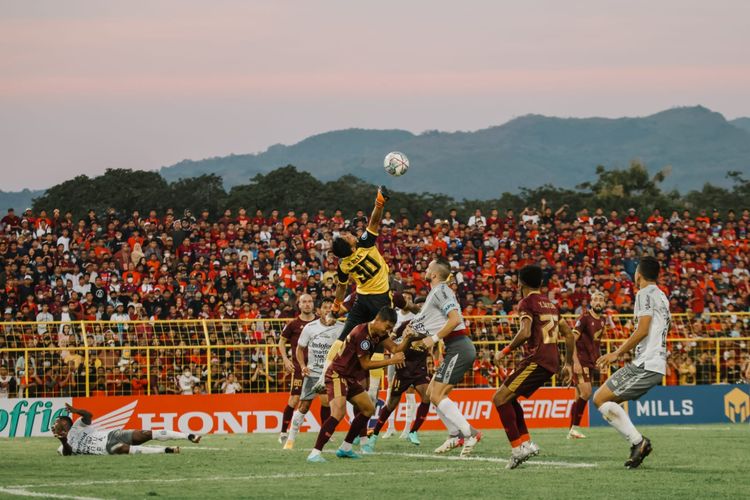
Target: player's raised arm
{"type": "Point", "coordinates": [84, 414]}
{"type": "Point", "coordinates": [377, 212]}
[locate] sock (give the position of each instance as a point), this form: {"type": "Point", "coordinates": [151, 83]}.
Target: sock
{"type": "Point", "coordinates": [358, 423]}
{"type": "Point", "coordinates": [313, 453]}
{"type": "Point", "coordinates": [373, 389]}
{"type": "Point", "coordinates": [452, 429]}
{"type": "Point", "coordinates": [508, 417]}
{"type": "Point", "coordinates": [576, 413]}
{"type": "Point", "coordinates": [520, 421]}
{"type": "Point", "coordinates": [411, 406]}
{"type": "Point", "coordinates": [146, 450]}
{"type": "Point", "coordinates": [325, 412]}
{"type": "Point", "coordinates": [164, 435]}
{"type": "Point", "coordinates": [619, 419]}
{"type": "Point", "coordinates": [288, 412]}
{"type": "Point", "coordinates": [385, 414]}
{"type": "Point", "coordinates": [297, 421]}
{"type": "Point", "coordinates": [346, 446]}
{"type": "Point", "coordinates": [326, 431]}
{"type": "Point", "coordinates": [452, 413]}
{"type": "Point", "coordinates": [392, 415]}
{"type": "Point", "coordinates": [422, 411]}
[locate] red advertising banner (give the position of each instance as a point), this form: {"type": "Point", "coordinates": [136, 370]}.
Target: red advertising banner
{"type": "Point", "coordinates": [243, 413]}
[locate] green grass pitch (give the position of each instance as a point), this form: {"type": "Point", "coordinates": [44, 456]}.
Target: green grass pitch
{"type": "Point", "coordinates": [687, 462]}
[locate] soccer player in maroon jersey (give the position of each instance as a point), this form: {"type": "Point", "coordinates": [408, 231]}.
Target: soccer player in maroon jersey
{"type": "Point", "coordinates": [588, 331]}
{"type": "Point", "coordinates": [345, 375]}
{"type": "Point", "coordinates": [540, 327]}
{"type": "Point", "coordinates": [412, 374]}
{"type": "Point", "coordinates": [291, 334]}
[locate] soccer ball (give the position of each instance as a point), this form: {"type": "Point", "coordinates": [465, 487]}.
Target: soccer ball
{"type": "Point", "coordinates": [396, 163]}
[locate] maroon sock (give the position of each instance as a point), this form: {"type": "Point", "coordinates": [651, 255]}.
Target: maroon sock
{"type": "Point", "coordinates": [520, 420]}
{"type": "Point", "coordinates": [326, 431]}
{"type": "Point", "coordinates": [288, 414]}
{"type": "Point", "coordinates": [422, 411]}
{"type": "Point", "coordinates": [508, 417]}
{"type": "Point", "coordinates": [359, 423]}
{"type": "Point", "coordinates": [576, 413]}
{"type": "Point", "coordinates": [385, 412]}
{"type": "Point", "coordinates": [325, 412]}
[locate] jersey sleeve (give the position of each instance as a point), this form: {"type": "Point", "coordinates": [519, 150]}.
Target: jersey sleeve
{"type": "Point", "coordinates": [445, 300]}
{"type": "Point", "coordinates": [362, 344]}
{"type": "Point", "coordinates": [524, 309]}
{"type": "Point", "coordinates": [342, 277]}
{"type": "Point", "coordinates": [645, 303]}
{"type": "Point", "coordinates": [398, 300]}
{"type": "Point", "coordinates": [367, 240]}
{"type": "Point", "coordinates": [304, 337]}
{"type": "Point", "coordinates": [580, 325]}
{"type": "Point", "coordinates": [288, 331]}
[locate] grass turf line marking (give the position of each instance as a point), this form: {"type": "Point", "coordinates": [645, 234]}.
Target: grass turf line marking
{"type": "Point", "coordinates": [23, 492]}
{"type": "Point", "coordinates": [294, 475]}
{"type": "Point", "coordinates": [545, 463]}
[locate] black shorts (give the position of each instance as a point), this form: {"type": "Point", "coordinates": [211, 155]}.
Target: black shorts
{"type": "Point", "coordinates": [527, 378]}
{"type": "Point", "coordinates": [365, 309]}
{"type": "Point", "coordinates": [402, 383]}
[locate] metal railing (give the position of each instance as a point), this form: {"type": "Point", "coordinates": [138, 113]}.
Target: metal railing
{"type": "Point", "coordinates": [88, 358]}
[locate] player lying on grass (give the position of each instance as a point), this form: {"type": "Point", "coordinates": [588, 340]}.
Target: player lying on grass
{"type": "Point", "coordinates": [540, 327]}
{"type": "Point", "coordinates": [635, 379]}
{"type": "Point", "coordinates": [588, 331]}
{"type": "Point", "coordinates": [313, 346]}
{"type": "Point", "coordinates": [345, 375]}
{"type": "Point", "coordinates": [412, 374]}
{"type": "Point", "coordinates": [83, 438]}
{"type": "Point", "coordinates": [440, 319]}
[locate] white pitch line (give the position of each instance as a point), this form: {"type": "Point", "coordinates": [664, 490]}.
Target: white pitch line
{"type": "Point", "coordinates": [567, 465]}
{"type": "Point", "coordinates": [23, 492]}
{"type": "Point", "coordinates": [294, 475]}
{"type": "Point", "coordinates": [571, 465]}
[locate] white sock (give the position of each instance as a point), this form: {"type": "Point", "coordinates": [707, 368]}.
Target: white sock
{"type": "Point", "coordinates": [314, 453]}
{"type": "Point", "coordinates": [146, 450]}
{"type": "Point", "coordinates": [392, 416]}
{"type": "Point", "coordinates": [411, 409]}
{"type": "Point", "coordinates": [452, 429]}
{"type": "Point", "coordinates": [373, 390]}
{"type": "Point", "coordinates": [346, 446]}
{"type": "Point", "coordinates": [452, 413]}
{"type": "Point", "coordinates": [363, 440]}
{"type": "Point", "coordinates": [164, 435]}
{"type": "Point", "coordinates": [297, 419]}
{"type": "Point", "coordinates": [619, 419]}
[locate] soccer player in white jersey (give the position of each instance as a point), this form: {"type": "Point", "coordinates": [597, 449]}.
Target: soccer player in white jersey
{"type": "Point", "coordinates": [440, 319]}
{"type": "Point", "coordinates": [649, 366]}
{"type": "Point", "coordinates": [82, 437]}
{"type": "Point", "coordinates": [316, 338]}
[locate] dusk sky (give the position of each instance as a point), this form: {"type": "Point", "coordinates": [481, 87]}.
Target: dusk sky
{"type": "Point", "coordinates": [87, 85]}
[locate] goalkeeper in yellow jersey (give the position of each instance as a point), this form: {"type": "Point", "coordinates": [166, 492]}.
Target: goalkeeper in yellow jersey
{"type": "Point", "coordinates": [360, 261]}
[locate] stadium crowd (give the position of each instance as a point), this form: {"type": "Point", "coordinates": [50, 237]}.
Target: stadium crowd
{"type": "Point", "coordinates": [140, 267]}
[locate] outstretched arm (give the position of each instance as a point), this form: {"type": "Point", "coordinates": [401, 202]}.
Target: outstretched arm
{"type": "Point", "coordinates": [377, 212]}
{"type": "Point", "coordinates": [85, 414]}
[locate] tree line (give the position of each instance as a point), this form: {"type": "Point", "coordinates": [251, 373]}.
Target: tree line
{"type": "Point", "coordinates": [287, 188]}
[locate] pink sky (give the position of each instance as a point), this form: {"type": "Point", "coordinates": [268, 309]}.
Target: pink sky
{"type": "Point", "coordinates": [86, 85]}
